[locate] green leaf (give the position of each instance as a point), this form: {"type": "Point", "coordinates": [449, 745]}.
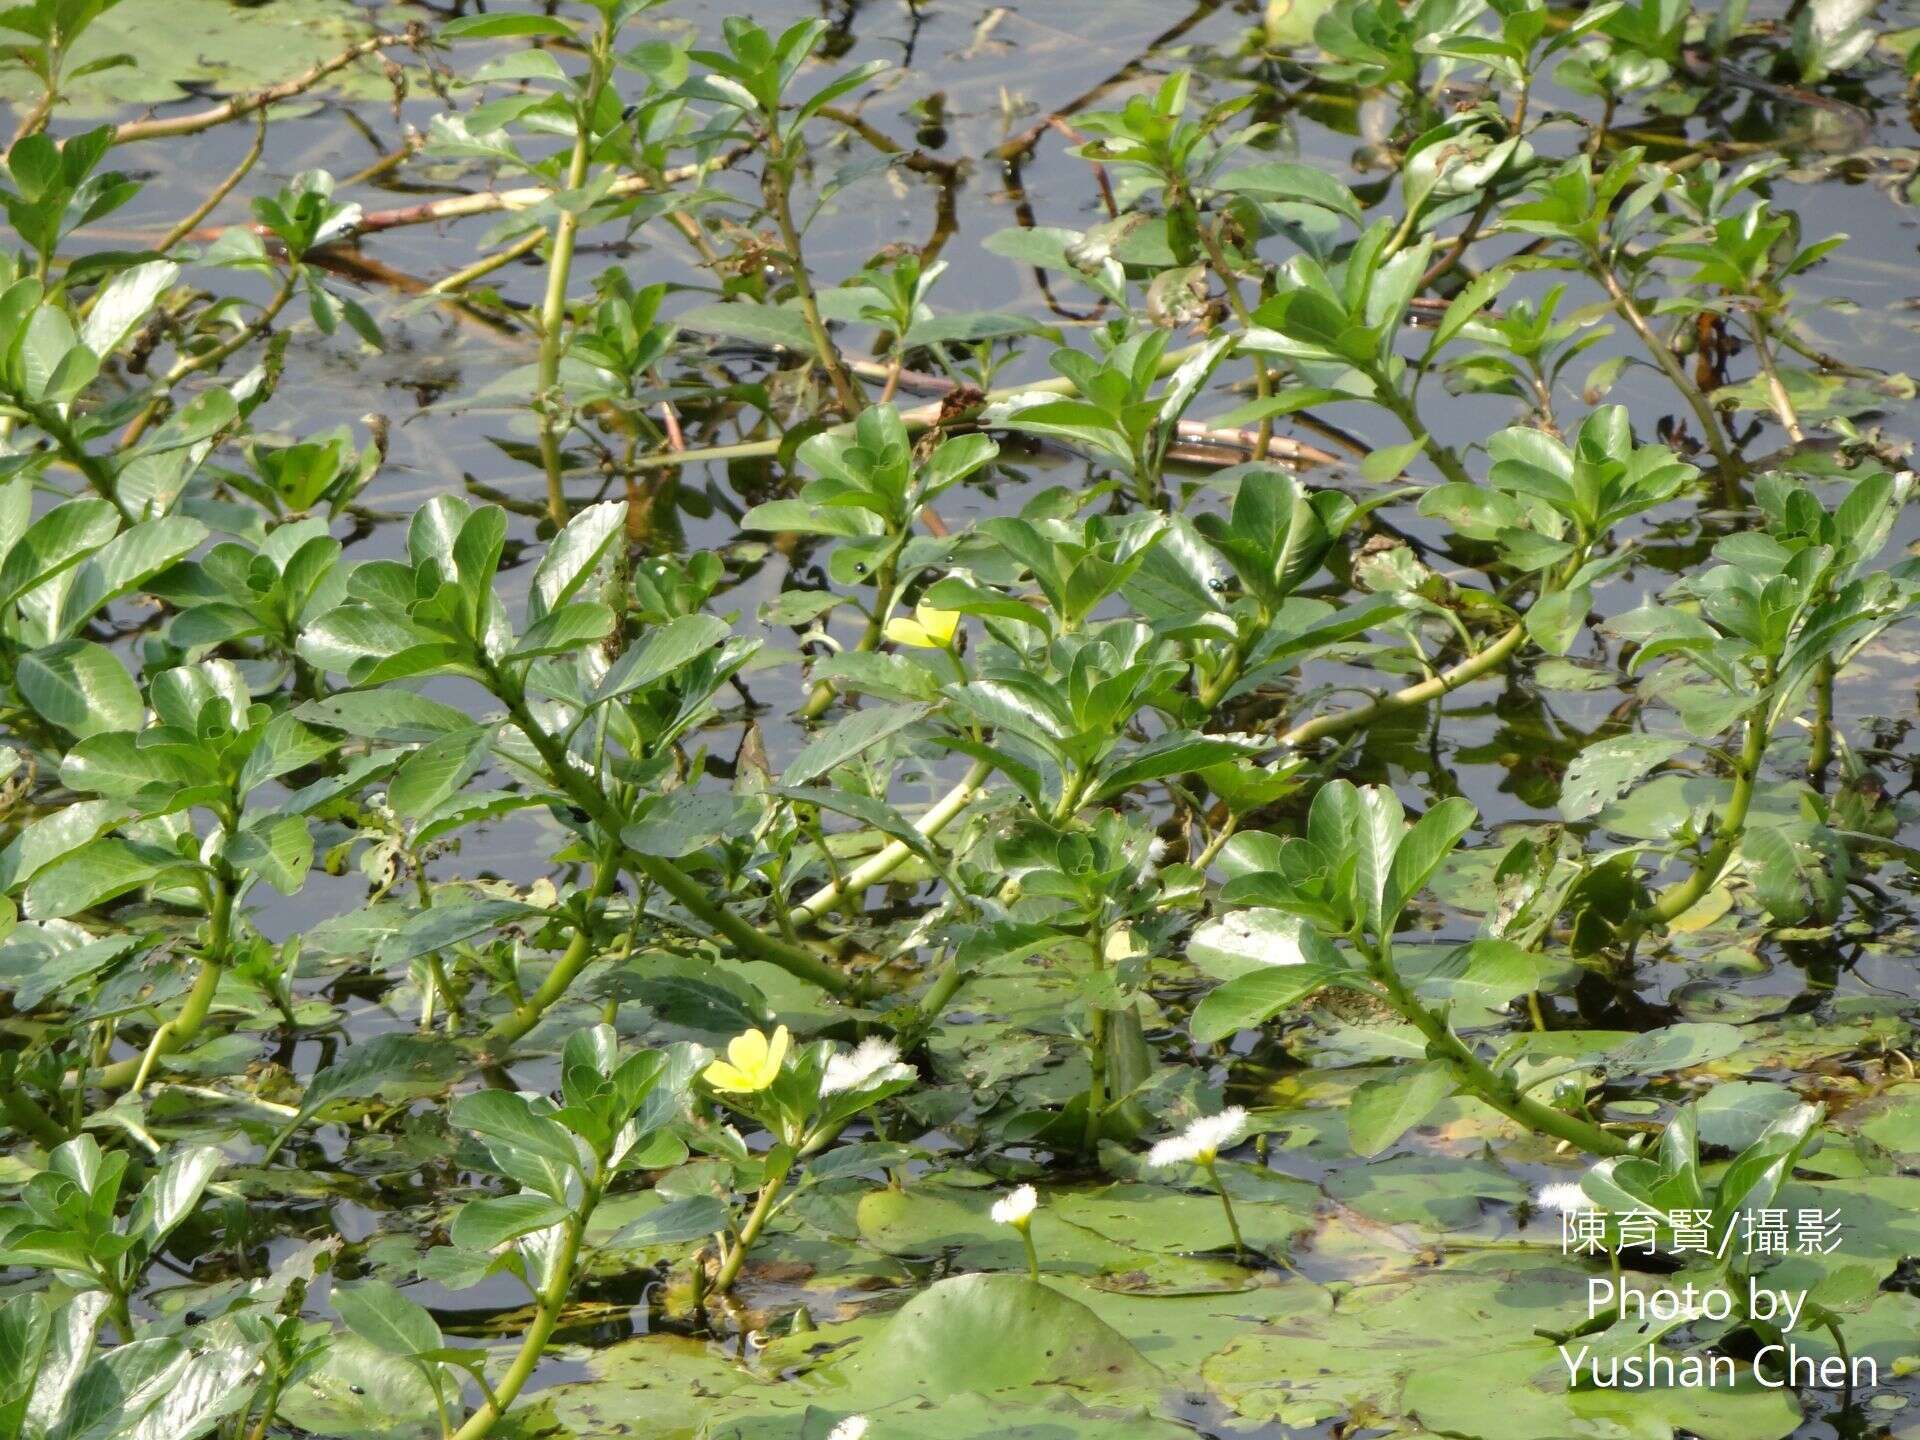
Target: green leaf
{"type": "Point", "coordinates": [123, 303]}
{"type": "Point", "coordinates": [1422, 848]}
{"type": "Point", "coordinates": [125, 563]}
{"type": "Point", "coordinates": [505, 27]}
{"type": "Point", "coordinates": [583, 622]}
{"type": "Point", "coordinates": [383, 1317]}
{"type": "Point", "coordinates": [397, 716]}
{"type": "Point", "coordinates": [659, 653]}
{"type": "Point", "coordinates": [696, 1217]}
{"type": "Point", "coordinates": [756, 324]}
{"type": "Point", "coordinates": [1256, 997]}
{"type": "Point", "coordinates": [57, 541]}
{"type": "Point", "coordinates": [434, 773]}
{"type": "Point", "coordinates": [448, 924]}
{"type": "Point", "coordinates": [1555, 620]}
{"type": "Point", "coordinates": [277, 848]}
{"type": "Point", "coordinates": [506, 1121]}
{"type": "Point", "coordinates": [1606, 769]}
{"type": "Point", "coordinates": [206, 1389]}
{"type": "Point", "coordinates": [172, 1195]}
{"type": "Point", "coordinates": [1385, 1108]}
{"type": "Point", "coordinates": [684, 821]}
{"type": "Point", "coordinates": [490, 1223]}
{"type": "Point", "coordinates": [848, 738]}
{"type": "Point", "coordinates": [360, 1392]}
{"type": "Point", "coordinates": [574, 556]}
{"type": "Point", "coordinates": [1286, 180]}
{"type": "Point", "coordinates": [93, 875]}
{"type": "Point", "coordinates": [976, 1334]}
{"type": "Point", "coordinates": [1174, 754]}
{"type": "Point", "coordinates": [80, 687]}
{"type": "Point", "coordinates": [386, 1064]}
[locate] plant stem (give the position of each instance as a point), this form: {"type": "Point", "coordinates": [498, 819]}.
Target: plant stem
{"type": "Point", "coordinates": [547, 1310]}
{"type": "Point", "coordinates": [511, 1026]}
{"type": "Point", "coordinates": [272, 1403]}
{"type": "Point", "coordinates": [181, 1030]}
{"type": "Point", "coordinates": [121, 1314]}
{"type": "Point", "coordinates": [1096, 1054]}
{"type": "Point", "coordinates": [99, 475]}
{"type": "Point", "coordinates": [1732, 824]}
{"type": "Point", "coordinates": [758, 945]}
{"type": "Point", "coordinates": [918, 1019]}
{"type": "Point", "coordinates": [1262, 379]}
{"type": "Point", "coordinates": [486, 265]}
{"type": "Point", "coordinates": [175, 125]}
{"type": "Point", "coordinates": [254, 328]}
{"type": "Point", "coordinates": [1627, 310]}
{"type": "Point", "coordinates": [1445, 682]}
{"type": "Point", "coordinates": [891, 856]}
{"type": "Point", "coordinates": [553, 308]}
{"type": "Point", "coordinates": [923, 418]}
{"type": "Point", "coordinates": [187, 223]}
{"type": "Point", "coordinates": [1443, 458]}
{"type": "Point", "coordinates": [885, 584]}
{"type": "Point", "coordinates": [1233, 1224]}
{"type": "Point", "coordinates": [777, 185]}
{"type": "Point", "coordinates": [26, 1115]}
{"type": "Point", "coordinates": [1820, 748]}
{"type": "Point", "coordinates": [1494, 1090]}
{"type": "Point", "coordinates": [1033, 1255]}
{"type": "Point", "coordinates": [1776, 388]}
{"type": "Point", "coordinates": [749, 1232]}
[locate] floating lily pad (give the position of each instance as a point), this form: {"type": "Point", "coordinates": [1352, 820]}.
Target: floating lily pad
{"type": "Point", "coordinates": [207, 45]}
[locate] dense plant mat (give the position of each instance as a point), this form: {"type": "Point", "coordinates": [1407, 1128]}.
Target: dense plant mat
{"type": "Point", "coordinates": [961, 721]}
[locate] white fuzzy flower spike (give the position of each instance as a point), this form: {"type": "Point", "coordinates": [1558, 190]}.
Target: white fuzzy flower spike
{"type": "Point", "coordinates": [1567, 1197]}
{"type": "Point", "coordinates": [1202, 1141]}
{"type": "Point", "coordinates": [1017, 1208]}
{"type": "Point", "coordinates": [874, 1061]}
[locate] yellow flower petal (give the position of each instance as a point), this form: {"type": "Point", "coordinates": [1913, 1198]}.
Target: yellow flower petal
{"type": "Point", "coordinates": [722, 1076]}
{"type": "Point", "coordinates": [910, 632]}
{"type": "Point", "coordinates": [929, 629]}
{"type": "Point", "coordinates": [940, 624]}
{"type": "Point", "coordinates": [752, 1064]}
{"type": "Point", "coordinates": [748, 1051]}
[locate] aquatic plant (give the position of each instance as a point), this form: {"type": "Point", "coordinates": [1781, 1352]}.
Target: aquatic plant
{"type": "Point", "coordinates": [1355, 722]}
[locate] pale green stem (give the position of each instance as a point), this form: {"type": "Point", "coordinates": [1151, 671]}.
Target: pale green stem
{"type": "Point", "coordinates": [1498, 1091]}
{"type": "Point", "coordinates": [1663, 356]}
{"type": "Point", "coordinates": [553, 307]}
{"type": "Point", "coordinates": [185, 1026]}
{"type": "Point", "coordinates": [1233, 1224]}
{"type": "Point", "coordinates": [891, 856]}
{"type": "Point", "coordinates": [1727, 832]}
{"type": "Point", "coordinates": [551, 1303]}
{"type": "Point", "coordinates": [1444, 683]}
{"type": "Point", "coordinates": [749, 1232]}
{"type": "Point", "coordinates": [516, 1023]}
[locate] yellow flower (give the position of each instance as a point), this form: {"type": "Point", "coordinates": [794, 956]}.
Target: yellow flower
{"type": "Point", "coordinates": [752, 1063]}
{"type": "Point", "coordinates": [930, 629]}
